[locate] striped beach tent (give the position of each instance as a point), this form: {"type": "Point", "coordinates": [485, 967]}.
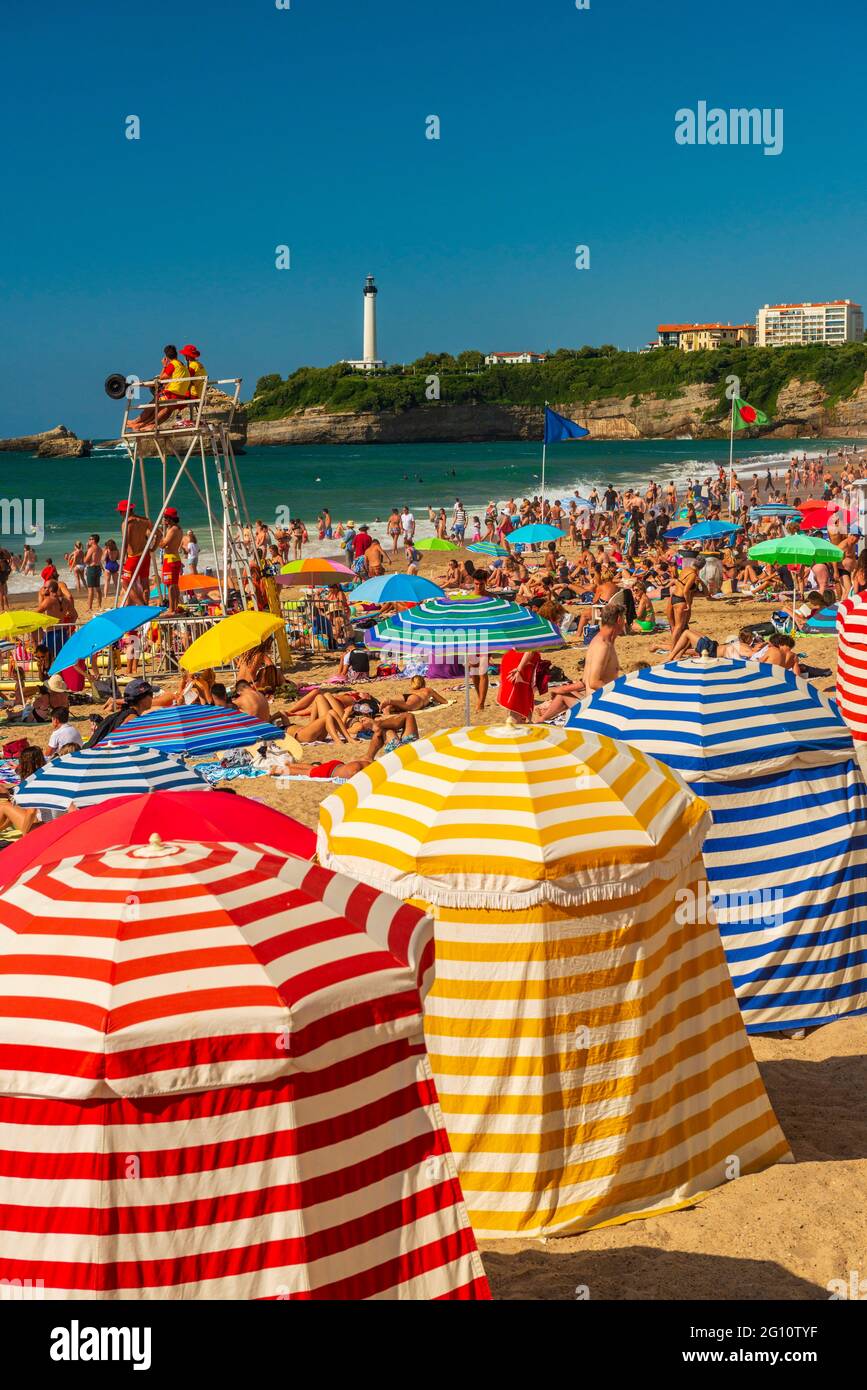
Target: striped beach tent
{"type": "Point", "coordinates": [193, 729]}
{"type": "Point", "coordinates": [852, 664]}
{"type": "Point", "coordinates": [91, 775]}
{"type": "Point", "coordinates": [214, 1084]}
{"type": "Point", "coordinates": [785, 856]}
{"type": "Point", "coordinates": [590, 1057]}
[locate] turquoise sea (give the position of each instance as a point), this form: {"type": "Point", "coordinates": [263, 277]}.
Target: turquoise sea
{"type": "Point", "coordinates": [363, 482]}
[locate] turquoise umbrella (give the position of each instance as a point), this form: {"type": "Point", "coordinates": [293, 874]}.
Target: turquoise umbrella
{"type": "Point", "coordinates": [536, 532]}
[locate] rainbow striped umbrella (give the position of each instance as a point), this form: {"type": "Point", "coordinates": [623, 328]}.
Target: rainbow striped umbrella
{"type": "Point", "coordinates": [590, 1057]}
{"type": "Point", "coordinates": [317, 564]}
{"type": "Point", "coordinates": [193, 729]}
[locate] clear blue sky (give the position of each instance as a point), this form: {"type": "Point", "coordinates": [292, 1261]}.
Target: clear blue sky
{"type": "Point", "coordinates": [306, 127]}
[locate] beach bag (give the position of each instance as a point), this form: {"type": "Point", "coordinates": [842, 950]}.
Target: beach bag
{"type": "Point", "coordinates": [590, 632]}
{"type": "Point", "coordinates": [14, 747]}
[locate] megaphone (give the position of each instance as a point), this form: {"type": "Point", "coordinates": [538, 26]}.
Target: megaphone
{"type": "Point", "coordinates": [116, 386]}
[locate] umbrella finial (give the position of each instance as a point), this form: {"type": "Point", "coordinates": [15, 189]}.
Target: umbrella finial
{"type": "Point", "coordinates": [155, 839]}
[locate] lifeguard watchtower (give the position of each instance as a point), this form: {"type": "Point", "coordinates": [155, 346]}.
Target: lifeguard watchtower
{"type": "Point", "coordinates": [169, 439]}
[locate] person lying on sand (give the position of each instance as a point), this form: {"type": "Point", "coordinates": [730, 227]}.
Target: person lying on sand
{"type": "Point", "coordinates": [420, 696]}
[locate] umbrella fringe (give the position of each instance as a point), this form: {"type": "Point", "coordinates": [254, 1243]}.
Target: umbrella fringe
{"type": "Point", "coordinates": [432, 894]}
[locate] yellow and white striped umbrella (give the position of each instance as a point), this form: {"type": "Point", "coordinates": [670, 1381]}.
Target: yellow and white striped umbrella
{"type": "Point", "coordinates": [590, 1056]}
{"type": "Point", "coordinates": [527, 812]}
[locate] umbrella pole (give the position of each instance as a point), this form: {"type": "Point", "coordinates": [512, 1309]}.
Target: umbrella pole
{"type": "Point", "coordinates": [467, 716]}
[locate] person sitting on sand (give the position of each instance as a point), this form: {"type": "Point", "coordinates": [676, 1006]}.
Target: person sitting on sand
{"type": "Point", "coordinates": [13, 817]}
{"type": "Point", "coordinates": [251, 701]}
{"type": "Point", "coordinates": [419, 696]}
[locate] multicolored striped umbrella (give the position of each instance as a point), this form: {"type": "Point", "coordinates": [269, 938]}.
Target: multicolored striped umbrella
{"type": "Point", "coordinates": [487, 548]}
{"type": "Point", "coordinates": [785, 855]}
{"type": "Point", "coordinates": [453, 628]}
{"type": "Point", "coordinates": [318, 564]}
{"type": "Point", "coordinates": [779, 510]}
{"type": "Point", "coordinates": [214, 1084]}
{"type": "Point", "coordinates": [591, 1060]}
{"type": "Point", "coordinates": [92, 775]}
{"type": "Point", "coordinates": [193, 729]}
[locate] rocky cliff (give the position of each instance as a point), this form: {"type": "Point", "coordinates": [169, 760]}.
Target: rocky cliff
{"type": "Point", "coordinates": [50, 444]}
{"type": "Point", "coordinates": [802, 410]}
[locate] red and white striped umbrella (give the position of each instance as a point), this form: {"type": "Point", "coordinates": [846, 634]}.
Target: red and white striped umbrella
{"type": "Point", "coordinates": [214, 1084]}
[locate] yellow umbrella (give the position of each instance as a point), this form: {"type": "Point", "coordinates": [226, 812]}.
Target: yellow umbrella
{"type": "Point", "coordinates": [229, 639]}
{"type": "Point", "coordinates": [19, 620]}
{"type": "Point", "coordinates": [589, 1053]}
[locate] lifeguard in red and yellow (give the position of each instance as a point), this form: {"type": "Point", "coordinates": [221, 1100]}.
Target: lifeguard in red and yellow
{"type": "Point", "coordinates": [195, 370]}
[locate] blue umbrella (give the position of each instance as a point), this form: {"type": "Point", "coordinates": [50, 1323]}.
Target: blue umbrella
{"type": "Point", "coordinates": [674, 533]}
{"type": "Point", "coordinates": [194, 729]}
{"type": "Point", "coordinates": [395, 588]}
{"type": "Point", "coordinates": [94, 774]}
{"type": "Point", "coordinates": [101, 631]}
{"type": "Point", "coordinates": [583, 504]}
{"type": "Point", "coordinates": [710, 530]}
{"type": "Point", "coordinates": [534, 533]}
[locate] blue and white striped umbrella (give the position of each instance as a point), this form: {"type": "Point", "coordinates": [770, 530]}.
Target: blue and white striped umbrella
{"type": "Point", "coordinates": [91, 775]}
{"type": "Point", "coordinates": [194, 729]}
{"type": "Point", "coordinates": [785, 855]}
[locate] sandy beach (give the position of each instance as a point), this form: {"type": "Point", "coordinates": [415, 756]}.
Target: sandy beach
{"type": "Point", "coordinates": [781, 1234]}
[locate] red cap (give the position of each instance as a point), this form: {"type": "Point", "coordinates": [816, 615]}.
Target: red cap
{"type": "Point", "coordinates": [171, 513]}
{"type": "Point", "coordinates": [190, 351]}
{"type": "Point", "coordinates": [126, 506]}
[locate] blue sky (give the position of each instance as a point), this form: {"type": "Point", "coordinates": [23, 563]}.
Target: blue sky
{"type": "Point", "coordinates": [306, 127]}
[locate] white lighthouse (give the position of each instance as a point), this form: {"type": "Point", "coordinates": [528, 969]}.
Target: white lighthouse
{"type": "Point", "coordinates": [368, 362]}
{"type": "Point", "coordinates": [370, 293]}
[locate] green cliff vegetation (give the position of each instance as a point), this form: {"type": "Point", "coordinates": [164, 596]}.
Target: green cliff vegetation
{"type": "Point", "coordinates": [570, 375]}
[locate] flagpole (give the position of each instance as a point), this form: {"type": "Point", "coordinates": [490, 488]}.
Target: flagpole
{"type": "Point", "coordinates": [544, 446]}
{"type": "Point", "coordinates": [732, 463]}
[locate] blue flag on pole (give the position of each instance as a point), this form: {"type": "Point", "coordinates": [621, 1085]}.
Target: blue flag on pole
{"type": "Point", "coordinates": [557, 427]}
